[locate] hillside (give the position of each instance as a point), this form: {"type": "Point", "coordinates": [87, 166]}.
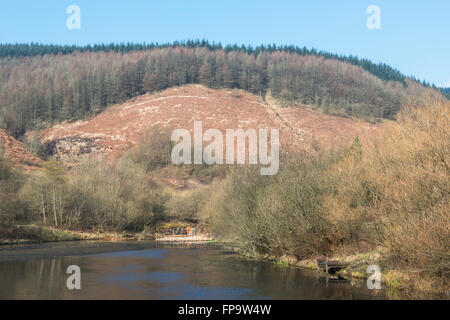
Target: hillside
{"type": "Point", "coordinates": [17, 152]}
{"type": "Point", "coordinates": [120, 127]}
{"type": "Point", "coordinates": [39, 91]}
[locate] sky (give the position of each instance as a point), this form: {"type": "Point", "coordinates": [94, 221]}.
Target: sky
{"type": "Point", "coordinates": [414, 36]}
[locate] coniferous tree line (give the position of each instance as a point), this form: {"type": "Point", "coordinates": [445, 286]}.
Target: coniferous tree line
{"type": "Point", "coordinates": [37, 90]}
{"type": "Point", "coordinates": [380, 70]}
{"type": "Point", "coordinates": [445, 92]}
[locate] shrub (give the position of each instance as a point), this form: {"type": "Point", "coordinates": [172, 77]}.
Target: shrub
{"type": "Point", "coordinates": [276, 215]}
{"type": "Point", "coordinates": [154, 149]}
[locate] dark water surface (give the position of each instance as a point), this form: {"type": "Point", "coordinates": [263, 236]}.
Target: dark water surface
{"type": "Point", "coordinates": [149, 270]}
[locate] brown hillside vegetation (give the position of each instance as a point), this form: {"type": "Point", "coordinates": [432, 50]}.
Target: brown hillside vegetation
{"type": "Point", "coordinates": [121, 126]}
{"type": "Point", "coordinates": [16, 151]}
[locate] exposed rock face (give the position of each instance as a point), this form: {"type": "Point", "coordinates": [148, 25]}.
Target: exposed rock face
{"type": "Point", "coordinates": [73, 149]}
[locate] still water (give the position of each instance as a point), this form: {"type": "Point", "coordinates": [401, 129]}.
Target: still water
{"type": "Point", "coordinates": [149, 270]}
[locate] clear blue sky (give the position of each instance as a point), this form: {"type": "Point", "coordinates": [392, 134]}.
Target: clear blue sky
{"type": "Point", "coordinates": [414, 35]}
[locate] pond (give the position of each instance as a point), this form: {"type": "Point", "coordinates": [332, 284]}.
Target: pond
{"type": "Point", "coordinates": [151, 270]}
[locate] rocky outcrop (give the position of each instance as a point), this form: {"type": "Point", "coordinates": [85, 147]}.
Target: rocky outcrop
{"type": "Point", "coordinates": [72, 150]}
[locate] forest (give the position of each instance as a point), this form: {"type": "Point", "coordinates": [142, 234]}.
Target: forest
{"type": "Point", "coordinates": [380, 70]}
{"type": "Point", "coordinates": [41, 85]}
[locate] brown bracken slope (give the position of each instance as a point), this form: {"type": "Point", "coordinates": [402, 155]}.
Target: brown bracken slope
{"type": "Point", "coordinates": [120, 127]}
{"type": "Point", "coordinates": [16, 151]}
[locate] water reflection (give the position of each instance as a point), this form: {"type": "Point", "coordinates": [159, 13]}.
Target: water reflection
{"type": "Point", "coordinates": [325, 279]}
{"type": "Point", "coordinates": [155, 271]}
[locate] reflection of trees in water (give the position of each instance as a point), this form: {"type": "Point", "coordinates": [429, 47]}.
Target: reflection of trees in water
{"type": "Point", "coordinates": [32, 278]}
{"type": "Point", "coordinates": [217, 269]}
{"type": "Point", "coordinates": [198, 269]}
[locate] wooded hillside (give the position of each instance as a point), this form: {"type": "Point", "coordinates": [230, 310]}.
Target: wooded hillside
{"type": "Point", "coordinates": [39, 88]}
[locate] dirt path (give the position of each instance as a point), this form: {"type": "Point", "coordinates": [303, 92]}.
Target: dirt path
{"type": "Point", "coordinates": [276, 109]}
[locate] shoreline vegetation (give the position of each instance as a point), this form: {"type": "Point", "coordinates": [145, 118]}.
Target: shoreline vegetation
{"type": "Point", "coordinates": [31, 234]}
{"type": "Point", "coordinates": [388, 195]}
{"type": "Point", "coordinates": [397, 284]}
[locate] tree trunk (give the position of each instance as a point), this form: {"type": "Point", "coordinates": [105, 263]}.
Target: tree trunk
{"type": "Point", "coordinates": [54, 207]}
{"type": "Point", "coordinates": [60, 210]}
{"type": "Point", "coordinates": [43, 207]}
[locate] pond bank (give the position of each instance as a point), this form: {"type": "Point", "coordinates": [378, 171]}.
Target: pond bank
{"type": "Point", "coordinates": [38, 234]}
{"type": "Point", "coordinates": [398, 284]}
{"type": "Point", "coordinates": [30, 234]}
